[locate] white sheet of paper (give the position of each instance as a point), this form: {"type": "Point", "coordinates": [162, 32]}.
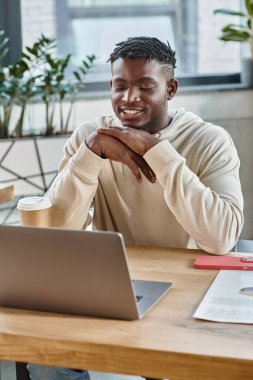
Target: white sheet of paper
{"type": "Point", "coordinates": [229, 298]}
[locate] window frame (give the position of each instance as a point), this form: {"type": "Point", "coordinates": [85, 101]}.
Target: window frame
{"type": "Point", "coordinates": [175, 11]}
{"type": "Point", "coordinates": [10, 10]}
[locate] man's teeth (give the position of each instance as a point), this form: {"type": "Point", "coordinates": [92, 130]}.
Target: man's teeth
{"type": "Point", "coordinates": [131, 112]}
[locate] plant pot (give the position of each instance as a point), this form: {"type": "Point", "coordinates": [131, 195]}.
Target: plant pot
{"type": "Point", "coordinates": [247, 72]}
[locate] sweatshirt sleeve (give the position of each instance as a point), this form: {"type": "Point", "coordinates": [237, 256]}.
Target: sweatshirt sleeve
{"type": "Point", "coordinates": [209, 206]}
{"type": "Point", "coordinates": [73, 190]}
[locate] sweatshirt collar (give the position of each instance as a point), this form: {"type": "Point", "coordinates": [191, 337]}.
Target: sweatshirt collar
{"type": "Point", "coordinates": [180, 120]}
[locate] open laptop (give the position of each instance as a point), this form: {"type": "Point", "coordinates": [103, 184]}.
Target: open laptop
{"type": "Point", "coordinates": [72, 272]}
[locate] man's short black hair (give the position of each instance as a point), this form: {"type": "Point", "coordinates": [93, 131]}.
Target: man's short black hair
{"type": "Point", "coordinates": [145, 47]}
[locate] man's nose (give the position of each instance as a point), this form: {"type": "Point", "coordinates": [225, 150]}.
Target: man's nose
{"type": "Point", "coordinates": [131, 95]}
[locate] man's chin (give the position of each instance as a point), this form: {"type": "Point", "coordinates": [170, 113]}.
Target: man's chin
{"type": "Point", "coordinates": [133, 124]}
{"type": "Point", "coordinates": [137, 124]}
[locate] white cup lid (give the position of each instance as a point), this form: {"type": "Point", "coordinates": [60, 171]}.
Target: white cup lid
{"type": "Point", "coordinates": [33, 203]}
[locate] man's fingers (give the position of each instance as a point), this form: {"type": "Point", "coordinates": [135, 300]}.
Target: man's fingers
{"type": "Point", "coordinates": [112, 131]}
{"type": "Point", "coordinates": [148, 174]}
{"type": "Point", "coordinates": [136, 139]}
{"type": "Point", "coordinates": [134, 168]}
{"type": "Point", "coordinates": [145, 168]}
{"type": "Point", "coordinates": [136, 163]}
{"type": "Point", "coordinates": [116, 132]}
{"type": "Point", "coordinates": [102, 130]}
{"type": "Point", "coordinates": [114, 149]}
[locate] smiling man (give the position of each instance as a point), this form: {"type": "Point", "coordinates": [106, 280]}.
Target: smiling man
{"type": "Point", "coordinates": [160, 177]}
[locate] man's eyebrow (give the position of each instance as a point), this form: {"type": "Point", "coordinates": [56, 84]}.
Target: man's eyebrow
{"type": "Point", "coordinates": [150, 79]}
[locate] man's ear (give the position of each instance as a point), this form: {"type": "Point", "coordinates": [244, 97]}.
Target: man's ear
{"type": "Point", "coordinates": [172, 88]}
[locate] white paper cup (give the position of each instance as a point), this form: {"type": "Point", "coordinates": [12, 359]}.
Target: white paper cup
{"type": "Point", "coordinates": [35, 211]}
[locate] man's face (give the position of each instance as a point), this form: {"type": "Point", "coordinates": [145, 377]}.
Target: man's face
{"type": "Point", "coordinates": [140, 90]}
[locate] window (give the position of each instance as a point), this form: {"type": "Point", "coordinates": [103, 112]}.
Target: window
{"type": "Point", "coordinates": [94, 26]}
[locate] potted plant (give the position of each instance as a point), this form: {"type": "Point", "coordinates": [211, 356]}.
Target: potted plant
{"type": "Point", "coordinates": [38, 74]}
{"type": "Point", "coordinates": [52, 84]}
{"type": "Point", "coordinates": [37, 77]}
{"type": "Point", "coordinates": [242, 33]}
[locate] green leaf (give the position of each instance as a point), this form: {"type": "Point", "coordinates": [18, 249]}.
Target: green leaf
{"type": "Point", "coordinates": [87, 65]}
{"type": "Point", "coordinates": [31, 50]}
{"type": "Point", "coordinates": [23, 65]}
{"type": "Point", "coordinates": [62, 94]}
{"type": "Point", "coordinates": [234, 26]}
{"type": "Point", "coordinates": [68, 57]}
{"type": "Point", "coordinates": [249, 7]}
{"type": "Point", "coordinates": [91, 58]}
{"type": "Point", "coordinates": [77, 75]}
{"type": "Point", "coordinates": [49, 59]}
{"type": "Point", "coordinates": [26, 56]}
{"type": "Point", "coordinates": [59, 78]}
{"type": "Point", "coordinates": [237, 37]}
{"type": "Point", "coordinates": [83, 70]}
{"type": "Point", "coordinates": [229, 12]}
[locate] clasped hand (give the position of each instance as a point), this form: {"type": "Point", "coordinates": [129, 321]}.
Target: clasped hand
{"type": "Point", "coordinates": [125, 145]}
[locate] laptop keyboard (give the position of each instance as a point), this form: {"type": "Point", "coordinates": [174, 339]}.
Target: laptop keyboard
{"type": "Point", "coordinates": [138, 298]}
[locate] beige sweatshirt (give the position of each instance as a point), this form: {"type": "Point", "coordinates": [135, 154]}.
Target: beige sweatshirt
{"type": "Point", "coordinates": [196, 201]}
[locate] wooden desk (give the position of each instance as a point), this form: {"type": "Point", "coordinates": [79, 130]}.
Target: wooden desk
{"type": "Point", "coordinates": [167, 343]}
